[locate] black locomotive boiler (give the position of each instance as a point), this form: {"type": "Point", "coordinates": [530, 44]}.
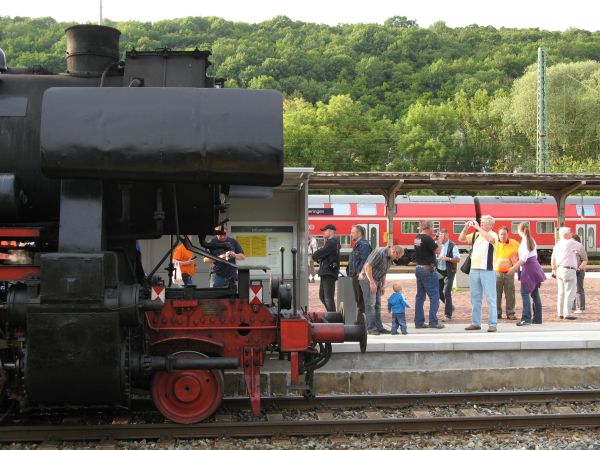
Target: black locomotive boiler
{"type": "Point", "coordinates": [97, 158]}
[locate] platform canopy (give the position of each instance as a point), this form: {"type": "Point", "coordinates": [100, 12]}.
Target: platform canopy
{"type": "Point", "coordinates": [555, 184]}
{"type": "Point", "coordinates": [391, 184]}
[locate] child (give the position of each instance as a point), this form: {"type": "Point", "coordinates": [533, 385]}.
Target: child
{"type": "Point", "coordinates": [397, 304]}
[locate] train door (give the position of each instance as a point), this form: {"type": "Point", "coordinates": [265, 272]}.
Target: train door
{"type": "Point", "coordinates": [587, 233]}
{"type": "Point", "coordinates": [372, 234]}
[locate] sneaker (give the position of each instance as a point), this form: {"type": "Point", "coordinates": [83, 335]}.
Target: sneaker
{"type": "Point", "coordinates": [492, 329]}
{"type": "Point", "coordinates": [473, 327]}
{"type": "Point", "coordinates": [384, 331]}
{"type": "Point", "coordinates": [523, 323]}
{"type": "Point", "coordinates": [422, 326]}
{"type": "Point", "coordinates": [439, 326]}
{"type": "Point", "coordinates": [373, 332]}
{"type": "Point", "coordinates": [570, 317]}
{"type": "Point", "coordinates": [560, 317]}
{"type": "Point", "coordinates": [405, 332]}
{"type": "Point", "coordinates": [394, 333]}
{"type": "Point", "coordinates": [512, 317]}
{"type": "Point", "coordinates": [446, 318]}
{"type": "Point", "coordinates": [578, 311]}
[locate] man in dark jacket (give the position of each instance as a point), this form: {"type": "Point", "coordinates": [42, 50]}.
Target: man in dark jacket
{"type": "Point", "coordinates": [358, 257]}
{"type": "Point", "coordinates": [328, 258]}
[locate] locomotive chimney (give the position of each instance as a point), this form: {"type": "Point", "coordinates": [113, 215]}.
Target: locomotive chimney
{"type": "Point", "coordinates": [91, 49]}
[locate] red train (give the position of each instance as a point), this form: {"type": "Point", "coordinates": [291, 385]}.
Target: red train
{"type": "Point", "coordinates": [582, 215]}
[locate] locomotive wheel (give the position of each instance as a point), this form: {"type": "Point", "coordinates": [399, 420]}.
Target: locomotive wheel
{"type": "Point", "coordinates": [187, 396]}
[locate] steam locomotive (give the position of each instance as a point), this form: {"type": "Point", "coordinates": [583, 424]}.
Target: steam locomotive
{"type": "Point", "coordinates": [109, 153]}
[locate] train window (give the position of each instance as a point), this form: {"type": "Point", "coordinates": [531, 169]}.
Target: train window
{"type": "Point", "coordinates": [341, 209]}
{"type": "Point", "coordinates": [366, 209]}
{"type": "Point", "coordinates": [410, 227]}
{"type": "Point", "coordinates": [544, 227]}
{"type": "Point", "coordinates": [458, 226]}
{"type": "Point", "coordinates": [585, 210]}
{"type": "Point", "coordinates": [345, 240]}
{"type": "Point", "coordinates": [514, 228]}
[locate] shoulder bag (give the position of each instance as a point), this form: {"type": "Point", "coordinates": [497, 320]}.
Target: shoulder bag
{"type": "Point", "coordinates": [466, 266]}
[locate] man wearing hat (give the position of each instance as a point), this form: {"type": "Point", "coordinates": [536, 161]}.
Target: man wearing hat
{"type": "Point", "coordinates": [222, 275]}
{"type": "Point", "coordinates": [328, 258]}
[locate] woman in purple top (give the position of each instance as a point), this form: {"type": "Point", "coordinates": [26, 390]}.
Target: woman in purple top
{"type": "Point", "coordinates": [531, 276]}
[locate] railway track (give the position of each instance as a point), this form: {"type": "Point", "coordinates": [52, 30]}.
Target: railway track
{"type": "Point", "coordinates": [289, 417]}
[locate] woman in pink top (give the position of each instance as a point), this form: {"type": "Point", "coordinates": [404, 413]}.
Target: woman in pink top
{"type": "Point", "coordinates": [531, 276]}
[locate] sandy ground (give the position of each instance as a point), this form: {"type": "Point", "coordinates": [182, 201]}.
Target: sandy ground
{"type": "Point", "coordinates": [462, 302]}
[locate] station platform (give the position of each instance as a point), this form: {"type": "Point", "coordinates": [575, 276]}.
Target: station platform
{"type": "Point", "coordinates": [547, 356]}
{"type": "Point", "coordinates": [557, 354]}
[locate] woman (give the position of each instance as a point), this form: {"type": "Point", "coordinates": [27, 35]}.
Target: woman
{"type": "Point", "coordinates": [531, 276]}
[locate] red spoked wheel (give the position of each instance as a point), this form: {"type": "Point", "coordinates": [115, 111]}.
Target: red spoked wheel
{"type": "Point", "coordinates": [187, 396]}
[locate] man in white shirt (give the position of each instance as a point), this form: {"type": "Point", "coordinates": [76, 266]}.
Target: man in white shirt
{"type": "Point", "coordinates": [482, 278]}
{"type": "Point", "coordinates": [564, 266]}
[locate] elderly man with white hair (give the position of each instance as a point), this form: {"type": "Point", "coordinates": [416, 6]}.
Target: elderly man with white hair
{"type": "Point", "coordinates": [482, 278]}
{"type": "Point", "coordinates": [564, 266]}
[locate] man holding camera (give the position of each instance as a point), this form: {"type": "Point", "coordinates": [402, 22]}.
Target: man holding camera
{"type": "Point", "coordinates": [328, 258]}
{"type": "Point", "coordinates": [482, 277]}
{"type": "Point", "coordinates": [221, 275]}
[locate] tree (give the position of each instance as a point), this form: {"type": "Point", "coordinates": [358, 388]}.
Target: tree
{"type": "Point", "coordinates": [573, 109]}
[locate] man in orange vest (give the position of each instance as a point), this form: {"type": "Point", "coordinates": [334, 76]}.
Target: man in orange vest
{"type": "Point", "coordinates": [4, 246]}
{"type": "Point", "coordinates": [506, 257]}
{"type": "Point", "coordinates": [187, 262]}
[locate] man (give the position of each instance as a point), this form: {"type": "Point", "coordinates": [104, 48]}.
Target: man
{"type": "Point", "coordinates": [222, 275]}
{"type": "Point", "coordinates": [482, 278]}
{"type": "Point", "coordinates": [358, 257]}
{"type": "Point", "coordinates": [426, 251]}
{"type": "Point", "coordinates": [372, 282]}
{"type": "Point", "coordinates": [564, 266]}
{"type": "Point", "coordinates": [448, 258]}
{"type": "Point", "coordinates": [186, 260]}
{"type": "Point", "coordinates": [507, 254]}
{"type": "Point", "coordinates": [582, 261]}
{"type": "Point", "coordinates": [328, 258]}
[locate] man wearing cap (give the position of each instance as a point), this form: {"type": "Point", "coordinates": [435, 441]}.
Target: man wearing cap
{"type": "Point", "coordinates": [328, 258]}
{"type": "Point", "coordinates": [221, 275]}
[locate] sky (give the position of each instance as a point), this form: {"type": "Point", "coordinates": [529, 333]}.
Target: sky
{"type": "Point", "coordinates": [548, 14]}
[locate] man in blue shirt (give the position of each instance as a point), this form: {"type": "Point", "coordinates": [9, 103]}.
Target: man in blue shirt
{"type": "Point", "coordinates": [221, 275]}
{"type": "Point", "coordinates": [446, 267]}
{"type": "Point", "coordinates": [358, 257]}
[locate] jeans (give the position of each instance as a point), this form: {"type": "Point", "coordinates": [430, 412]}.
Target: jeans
{"type": "Point", "coordinates": [358, 296]}
{"type": "Point", "coordinates": [187, 279]}
{"type": "Point", "coordinates": [427, 284]}
{"type": "Point", "coordinates": [483, 282]}
{"type": "Point", "coordinates": [399, 320]}
{"type": "Point", "coordinates": [537, 305]}
{"type": "Point", "coordinates": [372, 305]}
{"type": "Point", "coordinates": [580, 298]}
{"type": "Point", "coordinates": [567, 287]}
{"type": "Point", "coordinates": [327, 293]}
{"type": "Point", "coordinates": [446, 283]}
{"type": "Point", "coordinates": [505, 283]}
{"type": "Point", "coordinates": [217, 281]}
